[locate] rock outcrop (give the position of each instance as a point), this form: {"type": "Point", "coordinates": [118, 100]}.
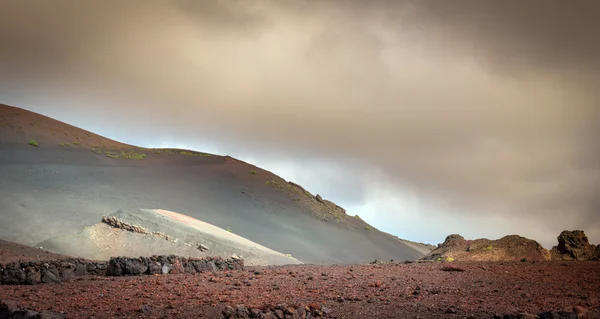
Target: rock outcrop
{"type": "Point", "coordinates": [507, 248]}
{"type": "Point", "coordinates": [57, 271]}
{"type": "Point", "coordinates": [52, 271]}
{"type": "Point", "coordinates": [126, 266]}
{"type": "Point", "coordinates": [574, 245]}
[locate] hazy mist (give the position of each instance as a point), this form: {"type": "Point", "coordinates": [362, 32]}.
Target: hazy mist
{"type": "Point", "coordinates": [424, 117]}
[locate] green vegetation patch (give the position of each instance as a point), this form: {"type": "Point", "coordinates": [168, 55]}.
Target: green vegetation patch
{"type": "Point", "coordinates": [190, 153]}
{"type": "Point", "coordinates": [229, 229]}
{"type": "Point", "coordinates": [368, 228]}
{"type": "Point", "coordinates": [64, 144]}
{"type": "Point", "coordinates": [126, 155]}
{"type": "Point", "coordinates": [33, 142]}
{"type": "Point", "coordinates": [133, 155]}
{"type": "Point", "coordinates": [489, 248]}
{"type": "Point", "coordinates": [252, 172]}
{"type": "Point", "coordinates": [273, 183]}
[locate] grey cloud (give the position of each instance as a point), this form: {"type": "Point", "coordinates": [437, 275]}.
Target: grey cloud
{"type": "Point", "coordinates": [485, 107]}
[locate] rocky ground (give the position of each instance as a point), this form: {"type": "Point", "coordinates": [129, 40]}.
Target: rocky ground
{"type": "Point", "coordinates": [392, 290]}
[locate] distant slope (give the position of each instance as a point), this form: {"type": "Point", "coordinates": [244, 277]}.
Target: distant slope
{"type": "Point", "coordinates": [73, 177]}
{"type": "Point", "coordinates": [11, 252]}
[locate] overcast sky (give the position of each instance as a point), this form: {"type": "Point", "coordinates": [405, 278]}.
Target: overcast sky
{"type": "Point", "coordinates": [423, 117]}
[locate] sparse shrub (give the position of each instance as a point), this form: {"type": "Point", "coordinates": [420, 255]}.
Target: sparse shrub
{"type": "Point", "coordinates": [268, 183]}
{"type": "Point", "coordinates": [64, 145]}
{"type": "Point", "coordinates": [190, 153]}
{"type": "Point", "coordinates": [252, 172]}
{"type": "Point", "coordinates": [489, 248]}
{"type": "Point", "coordinates": [111, 154]}
{"type": "Point", "coordinates": [367, 227]}
{"type": "Point", "coordinates": [33, 142]}
{"type": "Point", "coordinates": [126, 155]}
{"type": "Point", "coordinates": [288, 255]}
{"type": "Point", "coordinates": [307, 193]}
{"type": "Point", "coordinates": [75, 143]}
{"type": "Point", "coordinates": [523, 260]}
{"type": "Point", "coordinates": [229, 229]}
{"type": "Point", "coordinates": [133, 155]}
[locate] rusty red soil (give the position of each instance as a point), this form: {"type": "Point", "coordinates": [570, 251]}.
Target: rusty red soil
{"type": "Point", "coordinates": [482, 290]}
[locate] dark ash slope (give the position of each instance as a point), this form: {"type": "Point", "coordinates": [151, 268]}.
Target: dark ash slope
{"type": "Point", "coordinates": [74, 177]}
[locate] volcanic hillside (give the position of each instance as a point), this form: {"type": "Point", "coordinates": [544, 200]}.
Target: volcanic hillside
{"type": "Point", "coordinates": [56, 179]}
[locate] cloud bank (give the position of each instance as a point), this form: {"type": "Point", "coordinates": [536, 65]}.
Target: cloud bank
{"type": "Point", "coordinates": [424, 117]}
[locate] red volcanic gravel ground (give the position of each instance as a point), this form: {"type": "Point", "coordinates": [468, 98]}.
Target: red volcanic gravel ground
{"type": "Point", "coordinates": [358, 291]}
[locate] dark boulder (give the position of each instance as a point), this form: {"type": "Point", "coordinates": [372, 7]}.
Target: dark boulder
{"type": "Point", "coordinates": [120, 266]}
{"type": "Point", "coordinates": [66, 270]}
{"type": "Point", "coordinates": [574, 245]}
{"type": "Point", "coordinates": [154, 267]}
{"type": "Point", "coordinates": [51, 275]}
{"type": "Point", "coordinates": [33, 277]}
{"type": "Point", "coordinates": [136, 266]}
